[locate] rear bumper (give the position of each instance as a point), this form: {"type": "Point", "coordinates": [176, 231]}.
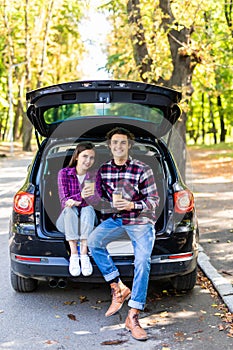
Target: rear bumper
{"type": "Point", "coordinates": [43, 268]}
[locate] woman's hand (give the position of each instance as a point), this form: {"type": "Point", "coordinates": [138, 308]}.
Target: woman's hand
{"type": "Point", "coordinates": [87, 192]}
{"type": "Point", "coordinates": [71, 203]}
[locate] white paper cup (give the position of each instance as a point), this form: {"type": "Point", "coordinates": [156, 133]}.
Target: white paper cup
{"type": "Point", "coordinates": [91, 185]}
{"type": "Point", "coordinates": [116, 196]}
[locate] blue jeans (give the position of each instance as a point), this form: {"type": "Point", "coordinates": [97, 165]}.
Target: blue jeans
{"type": "Point", "coordinates": [68, 222]}
{"type": "Point", "coordinates": [142, 237]}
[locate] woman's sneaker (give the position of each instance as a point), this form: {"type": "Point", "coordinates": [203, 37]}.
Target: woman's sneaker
{"type": "Point", "coordinates": [74, 266]}
{"type": "Point", "coordinates": [86, 266]}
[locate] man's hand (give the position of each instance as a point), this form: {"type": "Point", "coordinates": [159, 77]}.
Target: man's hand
{"type": "Point", "coordinates": [71, 203]}
{"type": "Point", "coordinates": [123, 204]}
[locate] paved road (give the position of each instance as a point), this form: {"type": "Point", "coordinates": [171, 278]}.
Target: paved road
{"type": "Point", "coordinates": [42, 320]}
{"type": "Point", "coordinates": [213, 196]}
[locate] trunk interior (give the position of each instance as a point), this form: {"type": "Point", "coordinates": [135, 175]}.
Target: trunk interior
{"type": "Point", "coordinates": [59, 155]}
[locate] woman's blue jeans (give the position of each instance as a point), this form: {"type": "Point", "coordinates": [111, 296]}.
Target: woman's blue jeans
{"type": "Point", "coordinates": [142, 237]}
{"type": "Point", "coordinates": [68, 222]}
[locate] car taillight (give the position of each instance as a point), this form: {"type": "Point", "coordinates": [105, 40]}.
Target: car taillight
{"type": "Point", "coordinates": [24, 203]}
{"type": "Point", "coordinates": [184, 201]}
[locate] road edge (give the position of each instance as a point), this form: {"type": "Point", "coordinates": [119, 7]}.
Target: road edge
{"type": "Point", "coordinates": [221, 284]}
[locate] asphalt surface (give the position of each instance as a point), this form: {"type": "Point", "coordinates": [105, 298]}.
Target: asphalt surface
{"type": "Point", "coordinates": [213, 197]}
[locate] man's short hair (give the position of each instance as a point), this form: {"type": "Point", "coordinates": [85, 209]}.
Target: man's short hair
{"type": "Point", "coordinates": [121, 131]}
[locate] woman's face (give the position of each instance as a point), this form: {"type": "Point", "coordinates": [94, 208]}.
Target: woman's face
{"type": "Point", "coordinates": [85, 160]}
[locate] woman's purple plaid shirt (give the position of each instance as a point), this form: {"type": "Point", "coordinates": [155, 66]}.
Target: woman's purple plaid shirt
{"type": "Point", "coordinates": [70, 188]}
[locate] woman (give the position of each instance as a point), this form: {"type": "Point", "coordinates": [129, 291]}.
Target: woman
{"type": "Point", "coordinates": [76, 212]}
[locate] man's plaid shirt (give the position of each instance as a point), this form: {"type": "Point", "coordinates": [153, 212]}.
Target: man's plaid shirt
{"type": "Point", "coordinates": [136, 180]}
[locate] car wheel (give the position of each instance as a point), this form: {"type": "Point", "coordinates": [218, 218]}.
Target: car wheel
{"type": "Point", "coordinates": [186, 282]}
{"type": "Point", "coordinates": [23, 285]}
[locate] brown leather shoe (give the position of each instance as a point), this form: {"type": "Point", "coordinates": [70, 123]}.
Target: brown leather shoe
{"type": "Point", "coordinates": [132, 324]}
{"type": "Point", "coordinates": [120, 293]}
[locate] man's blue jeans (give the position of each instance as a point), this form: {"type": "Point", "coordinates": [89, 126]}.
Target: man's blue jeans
{"type": "Point", "coordinates": [142, 237]}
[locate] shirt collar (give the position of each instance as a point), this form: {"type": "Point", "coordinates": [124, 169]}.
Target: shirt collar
{"type": "Point", "coordinates": [125, 165]}
{"type": "Point", "coordinates": [71, 171]}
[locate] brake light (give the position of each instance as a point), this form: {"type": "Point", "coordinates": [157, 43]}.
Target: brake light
{"type": "Point", "coordinates": [184, 201]}
{"type": "Point", "coordinates": [24, 203]}
{"type": "Point", "coordinates": [181, 256]}
{"type": "Point", "coordinates": [29, 259]}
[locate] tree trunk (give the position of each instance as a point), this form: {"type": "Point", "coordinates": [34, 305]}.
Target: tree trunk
{"type": "Point", "coordinates": [27, 134]}
{"type": "Point", "coordinates": [184, 61]}
{"type": "Point", "coordinates": [27, 127]}
{"type": "Point", "coordinates": [222, 123]}
{"type": "Point", "coordinates": [203, 117]}
{"type": "Point", "coordinates": [140, 51]}
{"type": "Point", "coordinates": [213, 130]}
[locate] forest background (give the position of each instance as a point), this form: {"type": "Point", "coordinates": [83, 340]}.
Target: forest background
{"type": "Point", "coordinates": [181, 44]}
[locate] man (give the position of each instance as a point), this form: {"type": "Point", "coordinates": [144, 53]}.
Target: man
{"type": "Point", "coordinates": [134, 214]}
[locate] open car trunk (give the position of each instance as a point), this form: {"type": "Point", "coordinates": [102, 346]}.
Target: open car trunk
{"type": "Point", "coordinates": [58, 155]}
{"type": "Point", "coordinates": [66, 114]}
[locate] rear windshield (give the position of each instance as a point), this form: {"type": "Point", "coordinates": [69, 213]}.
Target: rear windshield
{"type": "Point", "coordinates": [75, 111]}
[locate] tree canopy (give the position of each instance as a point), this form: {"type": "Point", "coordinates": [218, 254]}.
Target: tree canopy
{"type": "Point", "coordinates": [186, 45]}
{"type": "Point", "coordinates": [40, 45]}
{"type": "Point", "coordinates": [183, 44]}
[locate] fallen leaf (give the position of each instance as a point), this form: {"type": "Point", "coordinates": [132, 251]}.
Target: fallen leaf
{"type": "Point", "coordinates": [72, 317]}
{"type": "Point", "coordinates": [199, 331]}
{"type": "Point", "coordinates": [83, 299]}
{"type": "Point", "coordinates": [113, 342]}
{"type": "Point", "coordinates": [102, 301]}
{"type": "Point", "coordinates": [221, 327]}
{"type": "Point", "coordinates": [50, 342]}
{"type": "Point", "coordinates": [179, 334]}
{"type": "Point", "coordinates": [214, 305]}
{"type": "Point", "coordinates": [226, 273]}
{"type": "Point", "coordinates": [165, 346]}
{"type": "Point", "coordinates": [96, 307]}
{"type": "Point", "coordinates": [203, 311]}
{"type": "Point", "coordinates": [70, 302]}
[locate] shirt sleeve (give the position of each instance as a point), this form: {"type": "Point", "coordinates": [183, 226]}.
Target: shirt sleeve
{"type": "Point", "coordinates": [66, 186]}
{"type": "Point", "coordinates": [148, 188]}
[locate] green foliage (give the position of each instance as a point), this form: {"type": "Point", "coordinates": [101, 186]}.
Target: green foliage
{"type": "Point", "coordinates": [44, 36]}
{"type": "Point", "coordinates": [209, 47]}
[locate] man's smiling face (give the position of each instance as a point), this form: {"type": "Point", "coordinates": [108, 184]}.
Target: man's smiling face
{"type": "Point", "coordinates": [119, 146]}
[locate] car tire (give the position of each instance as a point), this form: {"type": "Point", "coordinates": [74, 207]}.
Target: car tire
{"type": "Point", "coordinates": [23, 285]}
{"type": "Point", "coordinates": [185, 282]}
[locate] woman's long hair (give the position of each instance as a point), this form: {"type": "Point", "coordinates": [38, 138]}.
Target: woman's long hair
{"type": "Point", "coordinates": [82, 146]}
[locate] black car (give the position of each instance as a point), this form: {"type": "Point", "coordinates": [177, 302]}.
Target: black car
{"type": "Point", "coordinates": [65, 114]}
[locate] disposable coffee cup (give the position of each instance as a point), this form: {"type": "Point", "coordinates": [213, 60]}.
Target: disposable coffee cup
{"type": "Point", "coordinates": [91, 186]}
{"type": "Point", "coordinates": [116, 196]}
